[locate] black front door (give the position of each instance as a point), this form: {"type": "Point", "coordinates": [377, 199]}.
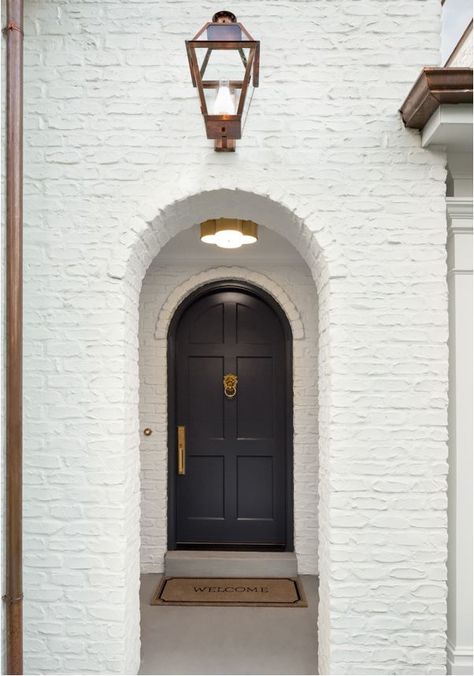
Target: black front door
{"type": "Point", "coordinates": [234, 489]}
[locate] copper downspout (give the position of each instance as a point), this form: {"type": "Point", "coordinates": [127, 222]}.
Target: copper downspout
{"type": "Point", "coordinates": [14, 329]}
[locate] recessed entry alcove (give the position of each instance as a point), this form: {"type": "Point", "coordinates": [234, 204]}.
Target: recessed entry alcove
{"type": "Point", "coordinates": [270, 280]}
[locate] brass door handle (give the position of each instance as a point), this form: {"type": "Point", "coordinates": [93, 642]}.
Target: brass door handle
{"type": "Point", "coordinates": [181, 449]}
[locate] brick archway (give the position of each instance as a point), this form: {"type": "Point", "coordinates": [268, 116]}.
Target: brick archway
{"type": "Point", "coordinates": [128, 266]}
{"type": "Point", "coordinates": [228, 273]}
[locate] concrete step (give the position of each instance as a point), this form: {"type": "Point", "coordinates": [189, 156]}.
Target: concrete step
{"type": "Point", "coordinates": [230, 564]}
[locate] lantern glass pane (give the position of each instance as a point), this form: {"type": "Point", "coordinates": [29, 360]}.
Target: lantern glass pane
{"type": "Point", "coordinates": [247, 103]}
{"type": "Point", "coordinates": [222, 100]}
{"type": "Point", "coordinates": [224, 31]}
{"type": "Point", "coordinates": [222, 64]}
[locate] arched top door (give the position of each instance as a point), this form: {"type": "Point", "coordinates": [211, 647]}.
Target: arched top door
{"type": "Point", "coordinates": [230, 478]}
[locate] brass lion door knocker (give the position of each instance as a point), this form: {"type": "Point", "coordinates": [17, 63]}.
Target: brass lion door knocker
{"type": "Point", "coordinates": [230, 385]}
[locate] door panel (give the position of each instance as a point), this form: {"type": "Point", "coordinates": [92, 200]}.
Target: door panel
{"type": "Point", "coordinates": [255, 404]}
{"type": "Point", "coordinates": [255, 487]}
{"type": "Point", "coordinates": [208, 471]}
{"type": "Point", "coordinates": [234, 491]}
{"type": "Point", "coordinates": [208, 326]}
{"type": "Point", "coordinates": [251, 326]}
{"type": "Point", "coordinates": [205, 405]}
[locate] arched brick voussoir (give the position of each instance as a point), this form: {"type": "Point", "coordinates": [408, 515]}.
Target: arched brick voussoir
{"type": "Point", "coordinates": [301, 226]}
{"type": "Point", "coordinates": [229, 273]}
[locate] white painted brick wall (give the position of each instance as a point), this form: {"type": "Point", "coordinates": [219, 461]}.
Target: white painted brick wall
{"type": "Point", "coordinates": [164, 287]}
{"type": "Point", "coordinates": [116, 163]}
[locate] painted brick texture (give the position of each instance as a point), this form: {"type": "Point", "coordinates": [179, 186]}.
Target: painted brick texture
{"type": "Point", "coordinates": [116, 164]}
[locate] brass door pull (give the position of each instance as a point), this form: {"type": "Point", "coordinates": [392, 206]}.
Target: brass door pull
{"type": "Point", "coordinates": [181, 449]}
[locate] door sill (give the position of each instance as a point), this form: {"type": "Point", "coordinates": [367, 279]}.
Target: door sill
{"type": "Point", "coordinates": [212, 563]}
{"type": "Point", "coordinates": [234, 547]}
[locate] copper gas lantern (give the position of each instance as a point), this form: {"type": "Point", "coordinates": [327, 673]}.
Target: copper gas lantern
{"type": "Point", "coordinates": [224, 63]}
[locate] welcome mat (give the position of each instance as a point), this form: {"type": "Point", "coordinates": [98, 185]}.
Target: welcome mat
{"type": "Point", "coordinates": [284, 592]}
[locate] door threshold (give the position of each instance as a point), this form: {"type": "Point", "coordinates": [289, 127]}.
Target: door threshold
{"type": "Point", "coordinates": [211, 563]}
{"type": "Point", "coordinates": [230, 547]}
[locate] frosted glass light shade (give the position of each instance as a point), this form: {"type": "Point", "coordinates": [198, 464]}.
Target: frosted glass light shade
{"type": "Point", "coordinates": [229, 239]}
{"type": "Point", "coordinates": [229, 233]}
{"type": "Point", "coordinates": [224, 103]}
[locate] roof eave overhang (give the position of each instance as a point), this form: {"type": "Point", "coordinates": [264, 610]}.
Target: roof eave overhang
{"type": "Point", "coordinates": [435, 86]}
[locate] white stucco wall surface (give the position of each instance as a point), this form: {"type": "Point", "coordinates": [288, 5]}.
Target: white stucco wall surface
{"type": "Point", "coordinates": [164, 287]}
{"type": "Point", "coordinates": [116, 164]}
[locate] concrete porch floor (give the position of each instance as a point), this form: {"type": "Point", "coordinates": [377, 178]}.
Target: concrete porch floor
{"type": "Point", "coordinates": [199, 640]}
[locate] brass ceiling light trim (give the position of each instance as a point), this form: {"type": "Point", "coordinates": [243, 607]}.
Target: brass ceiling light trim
{"type": "Point", "coordinates": [229, 233]}
{"type": "Point", "coordinates": [224, 47]}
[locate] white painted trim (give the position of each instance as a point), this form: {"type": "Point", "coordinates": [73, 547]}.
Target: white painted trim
{"type": "Point", "coordinates": [460, 207]}
{"type": "Point", "coordinates": [450, 126]}
{"type": "Point", "coordinates": [460, 659]}
{"type": "Point", "coordinates": [228, 273]}
{"type": "Point", "coordinates": [459, 246]}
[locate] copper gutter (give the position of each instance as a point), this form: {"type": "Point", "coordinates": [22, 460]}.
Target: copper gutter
{"type": "Point", "coordinates": [14, 330]}
{"type": "Point", "coordinates": [433, 87]}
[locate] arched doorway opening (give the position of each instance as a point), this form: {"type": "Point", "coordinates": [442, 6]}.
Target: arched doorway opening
{"type": "Point", "coordinates": [277, 271]}
{"type": "Point", "coordinates": [182, 271]}
{"type": "Point", "coordinates": [132, 259]}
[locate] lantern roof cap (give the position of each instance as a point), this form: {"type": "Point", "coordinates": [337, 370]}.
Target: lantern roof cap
{"type": "Point", "coordinates": [224, 16]}
{"type": "Point", "coordinates": [224, 27]}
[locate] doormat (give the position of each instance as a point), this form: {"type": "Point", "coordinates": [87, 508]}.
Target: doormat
{"type": "Point", "coordinates": [284, 592]}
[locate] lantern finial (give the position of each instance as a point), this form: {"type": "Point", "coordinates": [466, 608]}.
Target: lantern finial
{"type": "Point", "coordinates": [224, 17]}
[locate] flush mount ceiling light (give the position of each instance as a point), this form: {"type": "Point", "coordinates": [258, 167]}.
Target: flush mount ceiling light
{"type": "Point", "coordinates": [226, 53]}
{"type": "Point", "coordinates": [229, 233]}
